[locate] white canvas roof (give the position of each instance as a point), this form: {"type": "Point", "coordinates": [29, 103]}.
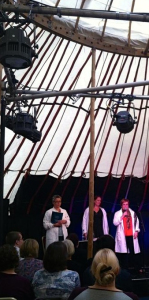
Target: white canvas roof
{"type": "Point", "coordinates": [64, 64]}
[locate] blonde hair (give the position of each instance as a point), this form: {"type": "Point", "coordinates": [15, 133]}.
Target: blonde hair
{"type": "Point", "coordinates": [105, 267]}
{"type": "Point", "coordinates": [70, 247]}
{"type": "Point", "coordinates": [29, 248]}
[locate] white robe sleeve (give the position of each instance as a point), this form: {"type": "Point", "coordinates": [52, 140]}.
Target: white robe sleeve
{"type": "Point", "coordinates": [47, 219]}
{"type": "Point", "coordinates": [117, 218]}
{"type": "Point", "coordinates": [85, 221]}
{"type": "Point", "coordinates": [66, 217]}
{"type": "Point", "coordinates": [105, 222]}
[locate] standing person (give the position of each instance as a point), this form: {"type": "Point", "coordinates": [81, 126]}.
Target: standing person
{"type": "Point", "coordinates": [127, 231]}
{"type": "Point", "coordinates": [14, 238]}
{"type": "Point", "coordinates": [56, 229]}
{"type": "Point", "coordinates": [100, 225]}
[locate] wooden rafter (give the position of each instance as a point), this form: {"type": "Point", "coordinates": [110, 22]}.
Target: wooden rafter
{"type": "Point", "coordinates": [105, 23]}
{"type": "Point", "coordinates": [56, 5]}
{"type": "Point", "coordinates": [77, 21]}
{"type": "Point", "coordinates": [129, 29]}
{"type": "Point", "coordinates": [147, 48]}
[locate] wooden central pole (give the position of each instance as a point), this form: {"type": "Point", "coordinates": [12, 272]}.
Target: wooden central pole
{"type": "Point", "coordinates": [1, 158]}
{"type": "Point", "coordinates": [91, 178]}
{"type": "Point", "coordinates": [2, 142]}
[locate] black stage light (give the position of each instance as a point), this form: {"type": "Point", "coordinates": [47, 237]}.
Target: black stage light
{"type": "Point", "coordinates": [15, 49]}
{"type": "Point", "coordinates": [9, 122]}
{"type": "Point", "coordinates": [124, 122]}
{"type": "Point", "coordinates": [1, 29]}
{"type": "Point", "coordinates": [25, 124]}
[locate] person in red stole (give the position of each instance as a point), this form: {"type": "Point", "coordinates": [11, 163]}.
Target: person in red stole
{"type": "Point", "coordinates": [126, 239]}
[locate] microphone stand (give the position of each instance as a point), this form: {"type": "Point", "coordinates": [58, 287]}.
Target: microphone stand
{"type": "Point", "coordinates": [143, 231]}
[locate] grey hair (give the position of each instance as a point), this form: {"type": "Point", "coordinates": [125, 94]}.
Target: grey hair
{"type": "Point", "coordinates": [70, 247]}
{"type": "Point", "coordinates": [56, 196]}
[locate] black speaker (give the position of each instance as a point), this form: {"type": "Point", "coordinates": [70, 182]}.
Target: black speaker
{"type": "Point", "coordinates": [141, 286]}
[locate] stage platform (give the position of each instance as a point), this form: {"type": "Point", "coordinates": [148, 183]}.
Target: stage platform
{"type": "Point", "coordinates": [140, 282]}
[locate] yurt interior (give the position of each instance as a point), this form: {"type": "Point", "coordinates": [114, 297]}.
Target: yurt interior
{"type": "Point", "coordinates": [74, 114]}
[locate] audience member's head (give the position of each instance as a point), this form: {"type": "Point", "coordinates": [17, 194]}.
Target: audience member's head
{"type": "Point", "coordinates": [14, 238]}
{"type": "Point", "coordinates": [55, 257]}
{"type": "Point", "coordinates": [105, 241]}
{"type": "Point", "coordinates": [70, 247]}
{"type": "Point", "coordinates": [29, 248]}
{"type": "Point", "coordinates": [74, 238]}
{"type": "Point", "coordinates": [9, 259]}
{"type": "Point", "coordinates": [105, 267]}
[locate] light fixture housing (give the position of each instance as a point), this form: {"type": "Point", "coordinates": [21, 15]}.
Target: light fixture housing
{"type": "Point", "coordinates": [23, 124]}
{"type": "Point", "coordinates": [15, 49]}
{"type": "Point", "coordinates": [124, 122]}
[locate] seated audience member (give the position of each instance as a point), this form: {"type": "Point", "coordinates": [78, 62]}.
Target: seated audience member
{"type": "Point", "coordinates": [103, 241]}
{"type": "Point", "coordinates": [80, 255]}
{"type": "Point", "coordinates": [15, 239]}
{"type": "Point", "coordinates": [74, 238]}
{"type": "Point", "coordinates": [123, 279]}
{"type": "Point", "coordinates": [105, 267]}
{"type": "Point", "coordinates": [12, 284]}
{"type": "Point", "coordinates": [72, 264]}
{"type": "Point", "coordinates": [30, 264]}
{"type": "Point", "coordinates": [55, 280]}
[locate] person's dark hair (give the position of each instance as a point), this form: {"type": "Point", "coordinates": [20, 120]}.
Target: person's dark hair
{"type": "Point", "coordinates": [74, 238]}
{"type": "Point", "coordinates": [55, 258]}
{"type": "Point", "coordinates": [12, 237]}
{"type": "Point", "coordinates": [105, 241]}
{"type": "Point", "coordinates": [56, 196]}
{"type": "Point", "coordinates": [96, 196]}
{"type": "Point", "coordinates": [123, 201]}
{"type": "Point", "coordinates": [9, 258]}
{"type": "Point", "coordinates": [29, 248]}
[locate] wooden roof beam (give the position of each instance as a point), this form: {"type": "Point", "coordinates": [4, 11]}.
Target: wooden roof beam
{"type": "Point", "coordinates": [78, 18]}
{"type": "Point", "coordinates": [105, 23]}
{"type": "Point", "coordinates": [129, 29]}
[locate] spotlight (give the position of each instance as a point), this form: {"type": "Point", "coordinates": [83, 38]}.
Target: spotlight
{"type": "Point", "coordinates": [124, 122]}
{"type": "Point", "coordinates": [9, 122]}
{"type": "Point", "coordinates": [24, 124]}
{"type": "Point", "coordinates": [15, 49]}
{"type": "Point", "coordinates": [1, 29]}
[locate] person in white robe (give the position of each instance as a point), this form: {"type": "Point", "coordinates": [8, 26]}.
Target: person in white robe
{"type": "Point", "coordinates": [126, 239]}
{"type": "Point", "coordinates": [100, 225]}
{"type": "Point", "coordinates": [56, 221]}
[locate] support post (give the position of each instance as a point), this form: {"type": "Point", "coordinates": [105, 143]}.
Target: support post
{"type": "Point", "coordinates": [2, 142]}
{"type": "Point", "coordinates": [91, 178]}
